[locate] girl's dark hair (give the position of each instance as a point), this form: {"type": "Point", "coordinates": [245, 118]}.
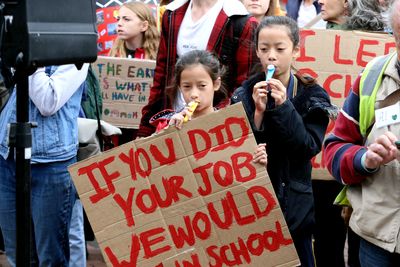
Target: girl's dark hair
{"type": "Point", "coordinates": [293, 33]}
{"type": "Point", "coordinates": [210, 64]}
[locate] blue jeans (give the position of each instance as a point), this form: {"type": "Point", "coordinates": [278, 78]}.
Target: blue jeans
{"type": "Point", "coordinates": [372, 256]}
{"type": "Point", "coordinates": [52, 198]}
{"type": "Point", "coordinates": [77, 243]}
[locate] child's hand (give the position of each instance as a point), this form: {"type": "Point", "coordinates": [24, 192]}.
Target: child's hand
{"type": "Point", "coordinates": [177, 119]}
{"type": "Point", "coordinates": [278, 91]}
{"type": "Point", "coordinates": [260, 96]}
{"type": "Point", "coordinates": [260, 155]}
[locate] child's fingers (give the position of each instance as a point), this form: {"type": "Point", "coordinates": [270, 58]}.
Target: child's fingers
{"type": "Point", "coordinates": [260, 155]}
{"type": "Point", "coordinates": [179, 124]}
{"type": "Point", "coordinates": [261, 147]}
{"type": "Point", "coordinates": [261, 159]}
{"type": "Point", "coordinates": [177, 120]}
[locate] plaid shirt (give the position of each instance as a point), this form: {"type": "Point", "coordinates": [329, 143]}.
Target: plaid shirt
{"type": "Point", "coordinates": [245, 58]}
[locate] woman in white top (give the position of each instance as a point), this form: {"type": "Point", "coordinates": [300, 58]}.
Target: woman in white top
{"type": "Point", "coordinates": [304, 11]}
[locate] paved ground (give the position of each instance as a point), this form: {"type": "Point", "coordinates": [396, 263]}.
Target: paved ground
{"type": "Point", "coordinates": [95, 258]}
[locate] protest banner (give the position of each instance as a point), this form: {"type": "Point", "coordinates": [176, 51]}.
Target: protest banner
{"type": "Point", "coordinates": [125, 84]}
{"type": "Point", "coordinates": [189, 197]}
{"type": "Point", "coordinates": [335, 58]}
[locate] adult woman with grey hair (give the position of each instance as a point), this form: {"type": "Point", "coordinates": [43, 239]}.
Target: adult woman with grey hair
{"type": "Point", "coordinates": [334, 12]}
{"type": "Point", "coordinates": [366, 15]}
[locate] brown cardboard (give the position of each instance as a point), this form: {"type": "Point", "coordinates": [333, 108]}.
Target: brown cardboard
{"type": "Point", "coordinates": [125, 85]}
{"type": "Point", "coordinates": [335, 58]}
{"type": "Point", "coordinates": [240, 209]}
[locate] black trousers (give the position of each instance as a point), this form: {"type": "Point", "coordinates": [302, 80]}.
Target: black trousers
{"type": "Point", "coordinates": [330, 229]}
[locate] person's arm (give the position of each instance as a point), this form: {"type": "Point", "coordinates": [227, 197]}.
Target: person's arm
{"type": "Point", "coordinates": [50, 93]}
{"type": "Point", "coordinates": [246, 56]}
{"type": "Point", "coordinates": [157, 94]}
{"type": "Point", "coordinates": [260, 103]}
{"type": "Point", "coordinates": [344, 147]}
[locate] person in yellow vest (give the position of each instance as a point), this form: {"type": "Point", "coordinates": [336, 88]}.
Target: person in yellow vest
{"type": "Point", "coordinates": [363, 152]}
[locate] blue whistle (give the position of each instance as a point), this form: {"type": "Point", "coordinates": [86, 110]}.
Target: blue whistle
{"type": "Point", "coordinates": [270, 72]}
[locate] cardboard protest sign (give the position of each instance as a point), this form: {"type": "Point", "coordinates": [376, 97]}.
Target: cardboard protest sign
{"type": "Point", "coordinates": [125, 85]}
{"type": "Point", "coordinates": [189, 197]}
{"type": "Point", "coordinates": [335, 59]}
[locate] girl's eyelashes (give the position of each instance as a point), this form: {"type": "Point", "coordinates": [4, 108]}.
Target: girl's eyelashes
{"type": "Point", "coordinates": [189, 86]}
{"type": "Point", "coordinates": [124, 18]}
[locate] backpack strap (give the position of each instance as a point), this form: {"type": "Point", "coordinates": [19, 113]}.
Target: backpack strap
{"type": "Point", "coordinates": [295, 84]}
{"type": "Point", "coordinates": [99, 133]}
{"type": "Point", "coordinates": [230, 43]}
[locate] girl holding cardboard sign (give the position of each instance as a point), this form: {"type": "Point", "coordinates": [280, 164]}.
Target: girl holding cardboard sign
{"type": "Point", "coordinates": [198, 77]}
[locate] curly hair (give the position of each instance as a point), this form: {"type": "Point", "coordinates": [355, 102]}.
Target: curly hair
{"type": "Point", "coordinates": [151, 36]}
{"type": "Point", "coordinates": [365, 15]}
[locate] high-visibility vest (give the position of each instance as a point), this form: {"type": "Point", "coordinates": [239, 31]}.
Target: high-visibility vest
{"type": "Point", "coordinates": [371, 80]}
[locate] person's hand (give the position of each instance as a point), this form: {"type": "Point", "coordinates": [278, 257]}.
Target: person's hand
{"type": "Point", "coordinates": [382, 151]}
{"type": "Point", "coordinates": [278, 91]}
{"type": "Point", "coordinates": [346, 214]}
{"type": "Point", "coordinates": [177, 119]}
{"type": "Point", "coordinates": [260, 155]}
{"type": "Point", "coordinates": [260, 96]}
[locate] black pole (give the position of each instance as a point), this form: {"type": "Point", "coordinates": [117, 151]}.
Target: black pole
{"type": "Point", "coordinates": [23, 148]}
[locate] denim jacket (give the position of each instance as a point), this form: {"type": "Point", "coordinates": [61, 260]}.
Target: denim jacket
{"type": "Point", "coordinates": [55, 138]}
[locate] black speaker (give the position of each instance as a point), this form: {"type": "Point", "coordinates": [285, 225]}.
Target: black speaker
{"type": "Point", "coordinates": [48, 32]}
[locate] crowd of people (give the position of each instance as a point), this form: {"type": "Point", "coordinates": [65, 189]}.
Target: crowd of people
{"type": "Point", "coordinates": [217, 52]}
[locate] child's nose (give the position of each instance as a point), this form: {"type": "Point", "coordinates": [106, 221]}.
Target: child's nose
{"type": "Point", "coordinates": [272, 55]}
{"type": "Point", "coordinates": [194, 95]}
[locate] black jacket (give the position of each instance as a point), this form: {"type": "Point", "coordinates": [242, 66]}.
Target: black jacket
{"type": "Point", "coordinates": [293, 132]}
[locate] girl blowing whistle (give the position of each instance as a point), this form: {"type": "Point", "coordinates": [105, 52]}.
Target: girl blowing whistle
{"type": "Point", "coordinates": [290, 114]}
{"type": "Point", "coordinates": [198, 77]}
